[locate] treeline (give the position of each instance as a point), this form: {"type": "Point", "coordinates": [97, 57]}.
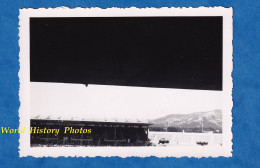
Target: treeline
{"type": "Point", "coordinates": [174, 129]}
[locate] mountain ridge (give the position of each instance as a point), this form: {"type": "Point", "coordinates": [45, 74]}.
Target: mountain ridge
{"type": "Point", "coordinates": [211, 121]}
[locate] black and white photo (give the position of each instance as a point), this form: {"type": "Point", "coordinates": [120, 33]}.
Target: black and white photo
{"type": "Point", "coordinates": [126, 82]}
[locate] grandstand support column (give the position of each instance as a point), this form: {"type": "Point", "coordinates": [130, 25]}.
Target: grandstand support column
{"type": "Point", "coordinates": [115, 136]}
{"type": "Point", "coordinates": [47, 139]}
{"type": "Point", "coordinates": [81, 139]}
{"type": "Point", "coordinates": [147, 133]}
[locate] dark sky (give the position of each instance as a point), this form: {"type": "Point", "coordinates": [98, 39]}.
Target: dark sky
{"type": "Point", "coordinates": [166, 52]}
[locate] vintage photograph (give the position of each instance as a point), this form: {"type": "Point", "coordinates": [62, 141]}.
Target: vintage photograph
{"type": "Point", "coordinates": [126, 82]}
{"type": "Point", "coordinates": [123, 116]}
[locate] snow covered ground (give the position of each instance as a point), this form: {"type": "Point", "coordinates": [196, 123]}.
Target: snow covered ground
{"type": "Point", "coordinates": [185, 139]}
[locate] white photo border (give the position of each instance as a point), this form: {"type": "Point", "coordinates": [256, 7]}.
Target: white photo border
{"type": "Point", "coordinates": [179, 151]}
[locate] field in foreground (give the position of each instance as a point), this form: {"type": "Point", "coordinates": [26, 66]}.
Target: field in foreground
{"type": "Point", "coordinates": [184, 139]}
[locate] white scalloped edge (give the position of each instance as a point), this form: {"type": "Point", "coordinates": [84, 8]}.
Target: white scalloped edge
{"type": "Point", "coordinates": [24, 91]}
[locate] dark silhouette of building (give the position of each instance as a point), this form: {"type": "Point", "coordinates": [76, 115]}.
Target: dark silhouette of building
{"type": "Point", "coordinates": [75, 132]}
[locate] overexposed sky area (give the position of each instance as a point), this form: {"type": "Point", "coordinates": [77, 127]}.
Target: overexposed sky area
{"type": "Point", "coordinates": [102, 101]}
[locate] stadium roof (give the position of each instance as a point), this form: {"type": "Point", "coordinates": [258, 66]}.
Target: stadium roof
{"type": "Point", "coordinates": [103, 120]}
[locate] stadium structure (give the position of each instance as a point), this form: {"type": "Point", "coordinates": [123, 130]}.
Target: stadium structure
{"type": "Point", "coordinates": [86, 132]}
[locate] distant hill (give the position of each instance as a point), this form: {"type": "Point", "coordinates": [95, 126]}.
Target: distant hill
{"type": "Point", "coordinates": [212, 121]}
